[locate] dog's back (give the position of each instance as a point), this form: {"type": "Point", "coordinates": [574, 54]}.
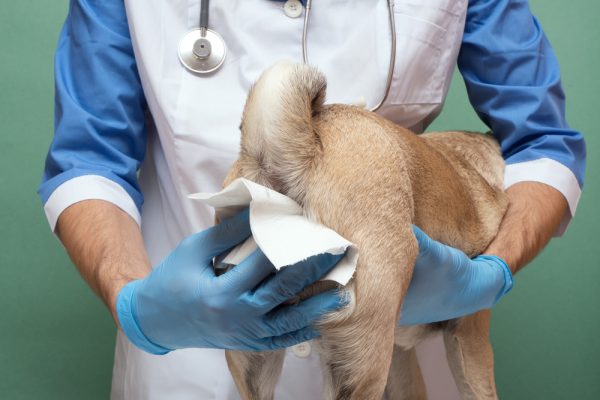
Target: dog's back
{"type": "Point", "coordinates": [369, 180]}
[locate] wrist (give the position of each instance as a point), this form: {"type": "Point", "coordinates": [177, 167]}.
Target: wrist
{"type": "Point", "coordinates": [506, 276]}
{"type": "Point", "coordinates": [112, 297]}
{"type": "Point", "coordinates": [509, 259]}
{"type": "Point", "coordinates": [126, 316]}
{"type": "Point", "coordinates": [114, 277]}
{"type": "Point", "coordinates": [534, 213]}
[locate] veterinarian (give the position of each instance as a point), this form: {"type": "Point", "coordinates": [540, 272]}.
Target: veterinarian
{"type": "Point", "coordinates": [125, 102]}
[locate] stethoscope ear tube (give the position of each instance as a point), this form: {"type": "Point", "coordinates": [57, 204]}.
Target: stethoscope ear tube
{"type": "Point", "coordinates": [392, 25]}
{"type": "Point", "coordinates": [392, 64]}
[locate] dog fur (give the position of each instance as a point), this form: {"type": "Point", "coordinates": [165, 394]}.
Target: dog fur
{"type": "Point", "coordinates": [370, 180]}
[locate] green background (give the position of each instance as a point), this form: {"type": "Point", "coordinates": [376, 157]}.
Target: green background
{"type": "Point", "coordinates": [56, 338]}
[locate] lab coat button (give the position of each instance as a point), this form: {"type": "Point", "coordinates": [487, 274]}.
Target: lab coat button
{"type": "Point", "coordinates": [301, 350]}
{"type": "Point", "coordinates": [293, 8]}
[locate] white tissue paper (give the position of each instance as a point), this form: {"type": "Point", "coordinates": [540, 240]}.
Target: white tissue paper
{"type": "Point", "coordinates": [279, 229]}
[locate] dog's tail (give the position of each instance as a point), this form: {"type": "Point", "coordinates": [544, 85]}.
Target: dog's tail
{"type": "Point", "coordinates": [277, 128]}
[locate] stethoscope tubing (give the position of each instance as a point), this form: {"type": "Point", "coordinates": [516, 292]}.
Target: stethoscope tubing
{"type": "Point", "coordinates": [204, 7]}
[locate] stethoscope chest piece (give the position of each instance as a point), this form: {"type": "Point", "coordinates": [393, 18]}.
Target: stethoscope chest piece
{"type": "Point", "coordinates": [202, 51]}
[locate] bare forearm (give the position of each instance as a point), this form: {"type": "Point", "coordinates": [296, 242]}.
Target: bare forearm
{"type": "Point", "coordinates": [105, 244]}
{"type": "Point", "coordinates": [534, 213]}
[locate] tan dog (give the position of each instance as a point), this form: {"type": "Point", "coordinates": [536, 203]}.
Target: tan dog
{"type": "Point", "coordinates": [370, 180]}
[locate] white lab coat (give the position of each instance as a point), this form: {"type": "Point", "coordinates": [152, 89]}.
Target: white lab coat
{"type": "Point", "coordinates": [194, 139]}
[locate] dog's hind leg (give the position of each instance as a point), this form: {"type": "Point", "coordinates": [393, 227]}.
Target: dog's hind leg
{"type": "Point", "coordinates": [358, 341]}
{"type": "Point", "coordinates": [405, 381]}
{"type": "Point", "coordinates": [255, 373]}
{"type": "Point", "coordinates": [470, 356]}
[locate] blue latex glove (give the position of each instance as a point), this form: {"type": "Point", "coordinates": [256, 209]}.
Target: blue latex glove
{"type": "Point", "coordinates": [447, 284]}
{"type": "Point", "coordinates": [182, 303]}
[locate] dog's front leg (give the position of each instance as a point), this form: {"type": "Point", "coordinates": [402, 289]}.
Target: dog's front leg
{"type": "Point", "coordinates": [255, 373]}
{"type": "Point", "coordinates": [405, 381]}
{"type": "Point", "coordinates": [470, 356]}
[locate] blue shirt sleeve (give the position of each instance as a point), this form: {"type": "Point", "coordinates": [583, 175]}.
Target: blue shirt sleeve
{"type": "Point", "coordinates": [513, 81]}
{"type": "Point", "coordinates": [99, 103]}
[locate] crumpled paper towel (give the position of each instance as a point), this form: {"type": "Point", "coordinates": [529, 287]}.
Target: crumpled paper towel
{"type": "Point", "coordinates": [279, 229]}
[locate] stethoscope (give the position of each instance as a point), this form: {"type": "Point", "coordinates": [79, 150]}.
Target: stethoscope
{"type": "Point", "coordinates": [203, 50]}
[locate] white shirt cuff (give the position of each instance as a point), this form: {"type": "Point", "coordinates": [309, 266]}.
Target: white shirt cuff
{"type": "Point", "coordinates": [552, 173]}
{"type": "Point", "coordinates": [88, 187]}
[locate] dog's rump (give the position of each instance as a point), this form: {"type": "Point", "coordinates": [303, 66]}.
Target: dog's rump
{"type": "Point", "coordinates": [278, 125]}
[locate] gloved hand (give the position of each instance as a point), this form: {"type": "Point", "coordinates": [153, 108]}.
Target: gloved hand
{"type": "Point", "coordinates": [182, 303]}
{"type": "Point", "coordinates": [447, 284]}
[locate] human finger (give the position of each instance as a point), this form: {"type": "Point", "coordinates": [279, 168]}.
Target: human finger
{"type": "Point", "coordinates": [292, 318]}
{"type": "Point", "coordinates": [249, 273]}
{"type": "Point", "coordinates": [219, 238]}
{"type": "Point", "coordinates": [289, 281]}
